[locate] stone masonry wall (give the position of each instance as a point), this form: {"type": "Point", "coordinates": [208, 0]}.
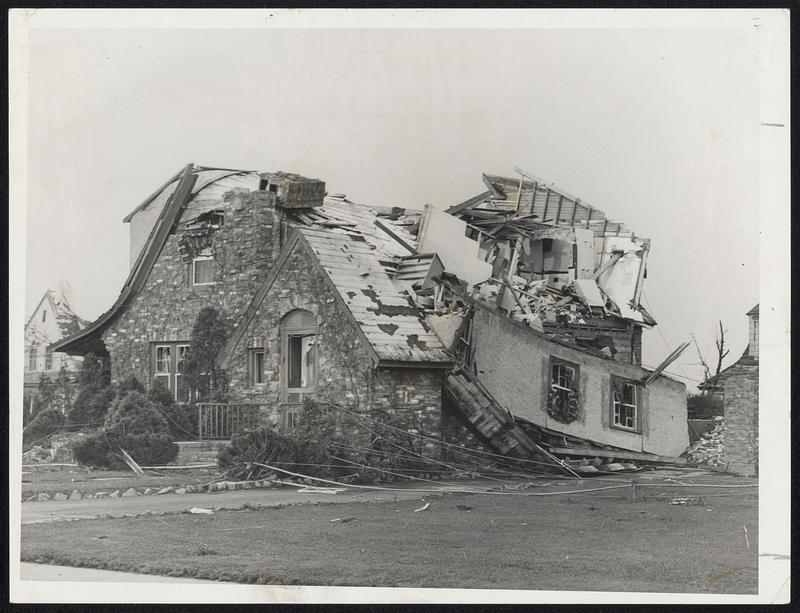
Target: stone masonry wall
{"type": "Point", "coordinates": [345, 373]}
{"type": "Point", "coordinates": [741, 421]}
{"type": "Point", "coordinates": [167, 307]}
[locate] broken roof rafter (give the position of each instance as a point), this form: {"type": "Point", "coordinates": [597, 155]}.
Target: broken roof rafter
{"type": "Point", "coordinates": [141, 269]}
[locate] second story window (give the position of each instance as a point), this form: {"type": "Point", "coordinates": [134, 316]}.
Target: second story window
{"type": "Point", "coordinates": [204, 268]}
{"type": "Point", "coordinates": [48, 360]}
{"type": "Point", "coordinates": [562, 398]}
{"type": "Point", "coordinates": [625, 404]}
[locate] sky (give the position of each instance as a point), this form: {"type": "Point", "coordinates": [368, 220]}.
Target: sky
{"type": "Point", "coordinates": [656, 126]}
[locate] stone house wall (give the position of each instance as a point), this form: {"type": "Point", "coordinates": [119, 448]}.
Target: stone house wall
{"type": "Point", "coordinates": [165, 310]}
{"type": "Point", "coordinates": [345, 373]}
{"type": "Point", "coordinates": [741, 421]}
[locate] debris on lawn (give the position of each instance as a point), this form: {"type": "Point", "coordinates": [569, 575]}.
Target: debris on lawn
{"type": "Point", "coordinates": [463, 507]}
{"type": "Point", "coordinates": [685, 501]}
{"type": "Point", "coordinates": [131, 462]}
{"type": "Point", "coordinates": [343, 520]}
{"type": "Point", "coordinates": [200, 511]}
{"type": "Point", "coordinates": [320, 490]}
{"type": "Point", "coordinates": [710, 448]}
{"type": "Point", "coordinates": [423, 507]}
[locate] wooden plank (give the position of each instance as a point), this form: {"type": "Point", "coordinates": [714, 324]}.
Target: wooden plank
{"type": "Point", "coordinates": [623, 455]}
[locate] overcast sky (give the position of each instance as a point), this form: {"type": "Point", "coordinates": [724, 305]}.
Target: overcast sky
{"type": "Point", "coordinates": [656, 127]}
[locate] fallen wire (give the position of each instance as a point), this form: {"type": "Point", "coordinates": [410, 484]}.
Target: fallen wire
{"type": "Point", "coordinates": [444, 490]}
{"type": "Point", "coordinates": [467, 452]}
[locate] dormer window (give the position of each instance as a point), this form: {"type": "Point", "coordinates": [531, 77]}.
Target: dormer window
{"type": "Point", "coordinates": [204, 268]}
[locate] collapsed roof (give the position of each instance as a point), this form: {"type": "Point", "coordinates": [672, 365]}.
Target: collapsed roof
{"type": "Point", "coordinates": [521, 246]}
{"type": "Point", "coordinates": [540, 254]}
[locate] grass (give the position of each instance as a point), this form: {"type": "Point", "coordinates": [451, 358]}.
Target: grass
{"type": "Point", "coordinates": [81, 479]}
{"type": "Point", "coordinates": [568, 542]}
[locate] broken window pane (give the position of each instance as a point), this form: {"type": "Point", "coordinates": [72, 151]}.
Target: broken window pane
{"type": "Point", "coordinates": [562, 401]}
{"type": "Point", "coordinates": [625, 404]}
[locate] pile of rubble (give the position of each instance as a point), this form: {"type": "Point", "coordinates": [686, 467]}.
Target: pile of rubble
{"type": "Point", "coordinates": [709, 450]}
{"type": "Point", "coordinates": [57, 449]}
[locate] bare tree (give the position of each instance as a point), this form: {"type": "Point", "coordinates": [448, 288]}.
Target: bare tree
{"type": "Point", "coordinates": [722, 353]}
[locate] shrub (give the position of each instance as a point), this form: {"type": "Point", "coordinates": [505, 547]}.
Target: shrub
{"type": "Point", "coordinates": [95, 392]}
{"type": "Point", "coordinates": [43, 425]}
{"type": "Point", "coordinates": [101, 450]}
{"type": "Point", "coordinates": [328, 445]}
{"type": "Point", "coordinates": [135, 413]}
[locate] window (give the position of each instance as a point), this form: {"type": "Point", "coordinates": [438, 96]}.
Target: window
{"type": "Point", "coordinates": [625, 404]}
{"type": "Point", "coordinates": [33, 356]}
{"type": "Point", "coordinates": [204, 268]}
{"type": "Point", "coordinates": [562, 398]}
{"type": "Point", "coordinates": [292, 419]}
{"type": "Point", "coordinates": [256, 366]}
{"type": "Point", "coordinates": [163, 366]}
{"type": "Point", "coordinates": [169, 363]}
{"type": "Point", "coordinates": [298, 372]}
{"type": "Point", "coordinates": [182, 392]}
{"type": "Point", "coordinates": [48, 360]}
{"type": "Point", "coordinates": [44, 316]}
{"type": "Point", "coordinates": [302, 361]}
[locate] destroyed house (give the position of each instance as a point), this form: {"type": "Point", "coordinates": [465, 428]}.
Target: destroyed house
{"type": "Point", "coordinates": [515, 314]}
{"type": "Point", "coordinates": [302, 278]}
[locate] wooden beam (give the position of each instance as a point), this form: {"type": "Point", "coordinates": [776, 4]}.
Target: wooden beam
{"type": "Point", "coordinates": [519, 192]}
{"type": "Point", "coordinates": [558, 210]}
{"type": "Point", "coordinates": [622, 455]}
{"type": "Point", "coordinates": [574, 210]}
{"type": "Point", "coordinates": [667, 361]}
{"type": "Point", "coordinates": [546, 198]}
{"type": "Point", "coordinates": [611, 261]}
{"type": "Point", "coordinates": [389, 231]}
{"type": "Point", "coordinates": [588, 216]}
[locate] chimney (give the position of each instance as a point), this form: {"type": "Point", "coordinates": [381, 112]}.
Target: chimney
{"type": "Point", "coordinates": [293, 191]}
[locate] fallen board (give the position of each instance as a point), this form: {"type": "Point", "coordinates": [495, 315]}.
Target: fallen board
{"type": "Point", "coordinates": [624, 455]}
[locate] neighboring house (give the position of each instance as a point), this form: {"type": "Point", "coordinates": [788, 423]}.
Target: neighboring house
{"type": "Point", "coordinates": [738, 385]}
{"type": "Point", "coordinates": [51, 321]}
{"type": "Point", "coordinates": [389, 311]}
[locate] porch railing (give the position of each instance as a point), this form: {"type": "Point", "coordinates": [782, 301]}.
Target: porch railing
{"type": "Point", "coordinates": [220, 421]}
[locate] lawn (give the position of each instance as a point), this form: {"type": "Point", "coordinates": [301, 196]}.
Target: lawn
{"type": "Point", "coordinates": [604, 541]}
{"type": "Point", "coordinates": [78, 478]}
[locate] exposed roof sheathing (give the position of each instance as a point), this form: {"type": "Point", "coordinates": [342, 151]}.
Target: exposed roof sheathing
{"type": "Point", "coordinates": [392, 326]}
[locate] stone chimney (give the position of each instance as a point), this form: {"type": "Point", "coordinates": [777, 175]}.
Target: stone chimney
{"type": "Point", "coordinates": [293, 191]}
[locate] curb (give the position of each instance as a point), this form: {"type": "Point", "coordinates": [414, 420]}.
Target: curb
{"type": "Point", "coordinates": [221, 486]}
